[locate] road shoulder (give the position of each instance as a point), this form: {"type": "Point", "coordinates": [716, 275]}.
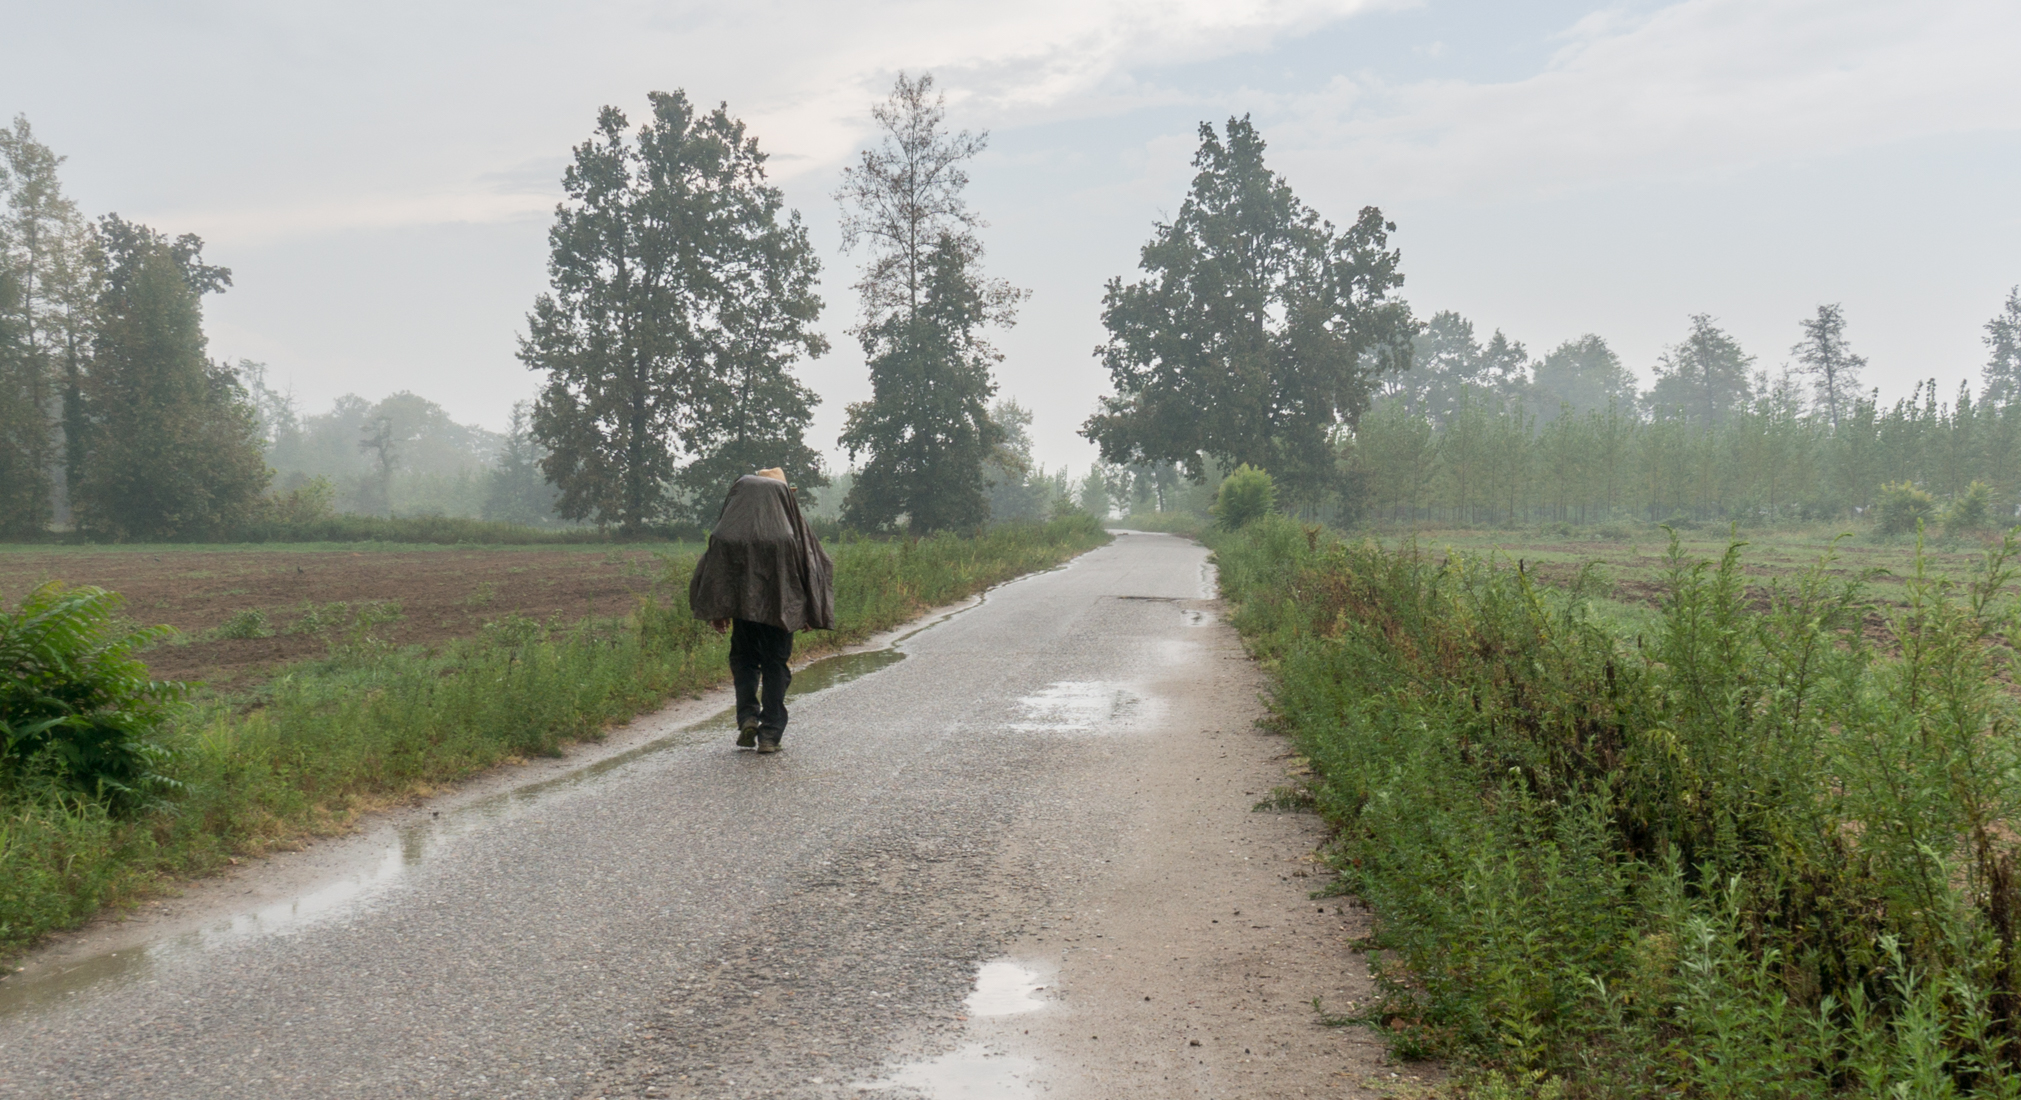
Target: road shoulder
{"type": "Point", "coordinates": [1191, 967]}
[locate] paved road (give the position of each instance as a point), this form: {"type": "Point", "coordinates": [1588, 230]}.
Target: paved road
{"type": "Point", "coordinates": [696, 920]}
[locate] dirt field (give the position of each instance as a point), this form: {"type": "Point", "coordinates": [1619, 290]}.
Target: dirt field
{"type": "Point", "coordinates": [441, 593]}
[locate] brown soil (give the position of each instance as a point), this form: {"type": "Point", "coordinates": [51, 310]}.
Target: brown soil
{"type": "Point", "coordinates": [442, 594]}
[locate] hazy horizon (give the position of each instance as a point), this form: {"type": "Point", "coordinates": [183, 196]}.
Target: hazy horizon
{"type": "Point", "coordinates": [381, 180]}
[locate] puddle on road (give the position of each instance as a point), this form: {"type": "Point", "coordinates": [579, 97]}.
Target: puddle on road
{"type": "Point", "coordinates": [970, 1073]}
{"type": "Point", "coordinates": [1075, 706]}
{"type": "Point", "coordinates": [973, 1072]}
{"type": "Point", "coordinates": [1003, 988]}
{"type": "Point", "coordinates": [407, 848]}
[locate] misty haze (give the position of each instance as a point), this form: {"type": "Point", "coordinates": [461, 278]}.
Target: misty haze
{"type": "Point", "coordinates": [1336, 547]}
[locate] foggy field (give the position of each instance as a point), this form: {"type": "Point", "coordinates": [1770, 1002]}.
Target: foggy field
{"type": "Point", "coordinates": [416, 595]}
{"type": "Point", "coordinates": [1632, 559]}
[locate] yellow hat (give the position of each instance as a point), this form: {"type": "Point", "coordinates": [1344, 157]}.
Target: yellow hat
{"type": "Point", "coordinates": [773, 472]}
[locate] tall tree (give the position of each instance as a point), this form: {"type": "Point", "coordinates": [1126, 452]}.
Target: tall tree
{"type": "Point", "coordinates": [1257, 332]}
{"type": "Point", "coordinates": [518, 493]}
{"type": "Point", "coordinates": [43, 253]}
{"type": "Point", "coordinates": [1449, 367]}
{"type": "Point", "coordinates": [926, 305]}
{"type": "Point", "coordinates": [24, 425]}
{"type": "Point", "coordinates": [1582, 375]}
{"type": "Point", "coordinates": [2003, 358]}
{"type": "Point", "coordinates": [1833, 368]}
{"type": "Point", "coordinates": [1703, 379]}
{"type": "Point", "coordinates": [679, 299]}
{"type": "Point", "coordinates": [173, 447]}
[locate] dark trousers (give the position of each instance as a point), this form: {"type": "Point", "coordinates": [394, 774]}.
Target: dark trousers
{"type": "Point", "coordinates": [758, 656]}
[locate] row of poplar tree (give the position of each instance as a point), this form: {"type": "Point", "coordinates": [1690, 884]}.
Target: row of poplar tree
{"type": "Point", "coordinates": [112, 415]}
{"type": "Point", "coordinates": [1569, 439]}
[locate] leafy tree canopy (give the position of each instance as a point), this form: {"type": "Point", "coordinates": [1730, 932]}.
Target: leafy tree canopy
{"type": "Point", "coordinates": [926, 304]}
{"type": "Point", "coordinates": [173, 447]}
{"type": "Point", "coordinates": [47, 290]}
{"type": "Point", "coordinates": [1258, 330]}
{"type": "Point", "coordinates": [1450, 368]}
{"type": "Point", "coordinates": [1705, 378]}
{"type": "Point", "coordinates": [1580, 376]}
{"type": "Point", "coordinates": [680, 296]}
{"type": "Point", "coordinates": [1824, 355]}
{"type": "Point", "coordinates": [2003, 348]}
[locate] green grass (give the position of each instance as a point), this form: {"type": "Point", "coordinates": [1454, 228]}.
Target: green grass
{"type": "Point", "coordinates": [1759, 842]}
{"type": "Point", "coordinates": [371, 725]}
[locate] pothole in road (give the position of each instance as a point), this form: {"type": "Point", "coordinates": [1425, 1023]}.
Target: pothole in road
{"type": "Point", "coordinates": [1071, 706]}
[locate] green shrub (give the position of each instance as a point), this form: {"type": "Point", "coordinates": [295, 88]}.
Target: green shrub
{"type": "Point", "coordinates": [314, 502]}
{"type": "Point", "coordinates": [250, 623]}
{"type": "Point", "coordinates": [1902, 506]}
{"type": "Point", "coordinates": [76, 707]}
{"type": "Point", "coordinates": [1970, 511]}
{"type": "Point", "coordinates": [1245, 495]}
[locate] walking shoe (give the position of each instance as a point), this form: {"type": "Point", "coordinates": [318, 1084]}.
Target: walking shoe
{"type": "Point", "coordinates": [768, 741]}
{"type": "Point", "coordinates": [747, 733]}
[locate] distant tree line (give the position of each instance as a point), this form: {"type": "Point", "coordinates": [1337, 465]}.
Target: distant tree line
{"type": "Point", "coordinates": [683, 295]}
{"type": "Point", "coordinates": [1260, 334]}
{"type": "Point", "coordinates": [402, 456]}
{"type": "Point", "coordinates": [1568, 438]}
{"type": "Point", "coordinates": [113, 417]}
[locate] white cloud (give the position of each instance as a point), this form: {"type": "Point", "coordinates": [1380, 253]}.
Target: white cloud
{"type": "Point", "coordinates": [463, 110]}
{"type": "Point", "coordinates": [1698, 88]}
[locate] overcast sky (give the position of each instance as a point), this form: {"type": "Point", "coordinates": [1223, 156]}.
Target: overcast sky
{"type": "Point", "coordinates": [380, 176]}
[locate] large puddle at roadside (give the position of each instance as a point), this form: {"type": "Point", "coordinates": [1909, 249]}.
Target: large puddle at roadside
{"type": "Point", "coordinates": [407, 848]}
{"type": "Point", "coordinates": [1003, 987]}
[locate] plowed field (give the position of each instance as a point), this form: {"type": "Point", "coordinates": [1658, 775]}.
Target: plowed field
{"type": "Point", "coordinates": [309, 597]}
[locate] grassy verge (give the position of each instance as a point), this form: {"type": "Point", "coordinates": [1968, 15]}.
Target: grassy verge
{"type": "Point", "coordinates": [1752, 846]}
{"type": "Point", "coordinates": [372, 724]}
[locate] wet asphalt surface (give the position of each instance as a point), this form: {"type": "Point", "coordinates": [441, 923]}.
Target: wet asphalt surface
{"type": "Point", "coordinates": [701, 921]}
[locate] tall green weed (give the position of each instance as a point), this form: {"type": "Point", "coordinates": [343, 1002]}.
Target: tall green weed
{"type": "Point", "coordinates": [1764, 848]}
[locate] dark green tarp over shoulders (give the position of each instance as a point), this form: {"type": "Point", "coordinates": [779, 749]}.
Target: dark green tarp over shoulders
{"type": "Point", "coordinates": [763, 563]}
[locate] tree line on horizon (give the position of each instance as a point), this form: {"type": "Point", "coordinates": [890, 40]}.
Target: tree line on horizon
{"type": "Point", "coordinates": [1479, 433]}
{"type": "Point", "coordinates": [1262, 335]}
{"type": "Point", "coordinates": [113, 418]}
{"type": "Point", "coordinates": [683, 295]}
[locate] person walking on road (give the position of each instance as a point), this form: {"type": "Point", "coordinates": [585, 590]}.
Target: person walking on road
{"type": "Point", "coordinates": [763, 577]}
